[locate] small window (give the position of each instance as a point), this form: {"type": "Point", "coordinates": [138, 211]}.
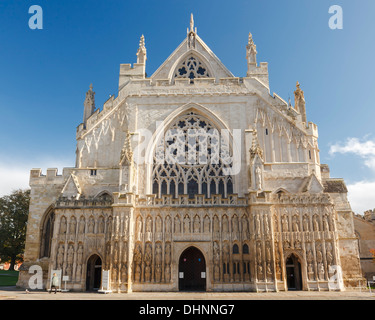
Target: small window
{"type": "Point", "coordinates": [310, 154]}
{"type": "Point", "coordinates": [93, 172]}
{"type": "Point", "coordinates": [266, 132]}
{"type": "Point", "coordinates": [236, 249]}
{"type": "Point", "coordinates": [245, 249]}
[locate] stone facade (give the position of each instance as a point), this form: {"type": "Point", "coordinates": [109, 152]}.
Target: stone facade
{"type": "Point", "coordinates": [364, 227]}
{"type": "Point", "coordinates": [262, 212]}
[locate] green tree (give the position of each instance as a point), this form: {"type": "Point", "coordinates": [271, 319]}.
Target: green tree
{"type": "Point", "coordinates": [14, 209]}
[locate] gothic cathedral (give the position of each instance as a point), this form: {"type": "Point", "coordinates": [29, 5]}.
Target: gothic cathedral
{"type": "Point", "coordinates": [193, 179]}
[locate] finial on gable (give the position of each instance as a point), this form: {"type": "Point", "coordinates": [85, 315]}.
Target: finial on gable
{"type": "Point", "coordinates": [192, 29]}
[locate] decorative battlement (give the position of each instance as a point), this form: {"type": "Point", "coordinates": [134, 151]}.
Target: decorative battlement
{"type": "Point", "coordinates": [51, 176]}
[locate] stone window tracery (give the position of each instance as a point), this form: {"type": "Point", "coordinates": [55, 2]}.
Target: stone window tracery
{"type": "Point", "coordinates": [192, 159]}
{"type": "Point", "coordinates": [191, 68]}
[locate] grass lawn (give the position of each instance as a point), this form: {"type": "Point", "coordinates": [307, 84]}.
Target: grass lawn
{"type": "Point", "coordinates": [8, 278]}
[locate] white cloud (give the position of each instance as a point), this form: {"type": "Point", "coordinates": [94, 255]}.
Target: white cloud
{"type": "Point", "coordinates": [364, 149]}
{"type": "Point", "coordinates": [362, 196]}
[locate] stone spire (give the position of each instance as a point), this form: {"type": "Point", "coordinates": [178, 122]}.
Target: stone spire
{"type": "Point", "coordinates": [251, 51]}
{"type": "Point", "coordinates": [142, 52]}
{"type": "Point", "coordinates": [89, 105]}
{"type": "Point", "coordinates": [299, 102]}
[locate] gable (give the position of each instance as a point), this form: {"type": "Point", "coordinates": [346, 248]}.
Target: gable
{"type": "Point", "coordinates": [192, 47]}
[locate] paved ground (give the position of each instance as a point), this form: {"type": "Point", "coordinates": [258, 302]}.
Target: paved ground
{"type": "Point", "coordinates": [11, 293]}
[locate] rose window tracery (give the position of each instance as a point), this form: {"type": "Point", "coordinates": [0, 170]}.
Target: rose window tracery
{"type": "Point", "coordinates": [191, 68]}
{"type": "Point", "coordinates": [192, 158]}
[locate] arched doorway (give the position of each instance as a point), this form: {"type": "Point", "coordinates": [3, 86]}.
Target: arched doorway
{"type": "Point", "coordinates": [94, 273]}
{"type": "Point", "coordinates": [293, 273]}
{"type": "Point", "coordinates": [192, 270]}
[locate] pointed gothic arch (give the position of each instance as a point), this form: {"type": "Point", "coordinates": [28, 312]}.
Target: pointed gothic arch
{"type": "Point", "coordinates": [176, 179]}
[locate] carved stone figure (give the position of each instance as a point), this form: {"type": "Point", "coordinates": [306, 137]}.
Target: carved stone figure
{"type": "Point", "coordinates": [60, 256]}
{"type": "Point", "coordinates": [257, 225]}
{"type": "Point", "coordinates": [295, 224]}
{"type": "Point", "coordinates": [325, 223]}
{"type": "Point", "coordinates": [81, 228]}
{"type": "Point", "coordinates": [72, 226]}
{"type": "Point", "coordinates": [285, 223]}
{"type": "Point", "coordinates": [206, 225]}
{"type": "Point", "coordinates": [316, 222]}
{"type": "Point", "coordinates": [306, 223]}
{"type": "Point", "coordinates": [177, 224]}
{"type": "Point", "coordinates": [63, 225]}
{"type": "Point", "coordinates": [197, 224]}
{"type": "Point", "coordinates": [101, 225]}
{"type": "Point", "coordinates": [158, 227]}
{"type": "Point", "coordinates": [91, 225]}
{"type": "Point", "coordinates": [168, 225]}
{"type": "Point", "coordinates": [186, 224]}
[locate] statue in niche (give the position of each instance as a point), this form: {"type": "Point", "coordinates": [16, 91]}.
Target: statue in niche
{"type": "Point", "coordinates": [267, 225]}
{"type": "Point", "coordinates": [109, 226]}
{"type": "Point", "coordinates": [244, 224]}
{"type": "Point", "coordinates": [148, 258]}
{"type": "Point", "coordinates": [216, 256]}
{"type": "Point", "coordinates": [268, 252]}
{"type": "Point", "coordinates": [321, 271]}
{"type": "Point", "coordinates": [137, 261]}
{"type": "Point", "coordinates": [186, 224]}
{"type": "Point", "coordinates": [306, 223]}
{"type": "Point", "coordinates": [101, 225]}
{"type": "Point", "coordinates": [63, 225]}
{"type": "Point", "coordinates": [70, 255]}
{"type": "Point", "coordinates": [149, 225]}
{"type": "Point", "coordinates": [81, 228]}
{"type": "Point", "coordinates": [126, 225]}
{"type": "Point", "coordinates": [197, 224]}
{"type": "Point", "coordinates": [115, 253]}
{"type": "Point", "coordinates": [177, 224]}
{"type": "Point", "coordinates": [167, 262]}
{"type": "Point", "coordinates": [325, 223]}
{"type": "Point", "coordinates": [258, 175]}
{"type": "Point", "coordinates": [225, 224]}
{"type": "Point", "coordinates": [158, 262]}
{"type": "Point", "coordinates": [80, 255]}
{"type": "Point", "coordinates": [124, 273]}
{"type": "Point", "coordinates": [158, 227]}
{"type": "Point", "coordinates": [285, 223]}
{"type": "Point", "coordinates": [316, 222]}
{"type": "Point", "coordinates": [206, 225]}
{"type": "Point", "coordinates": [235, 224]}
{"type": "Point", "coordinates": [257, 224]}
{"type": "Point", "coordinates": [168, 253]}
{"type": "Point", "coordinates": [60, 256]}
{"type": "Point", "coordinates": [168, 227]}
{"type": "Point", "coordinates": [259, 252]}
{"type": "Point", "coordinates": [91, 225]}
{"type": "Point", "coordinates": [295, 224]}
{"type": "Point", "coordinates": [72, 227]}
{"type": "Point", "coordinates": [216, 225]}
{"type": "Point", "coordinates": [260, 271]}
{"type": "Point", "coordinates": [276, 223]}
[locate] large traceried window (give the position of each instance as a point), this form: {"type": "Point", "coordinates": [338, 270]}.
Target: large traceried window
{"type": "Point", "coordinates": [192, 158]}
{"type": "Point", "coordinates": [191, 68]}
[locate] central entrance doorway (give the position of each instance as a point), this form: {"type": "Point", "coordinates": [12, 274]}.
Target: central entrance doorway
{"type": "Point", "coordinates": [192, 270]}
{"type": "Point", "coordinates": [293, 273]}
{"type": "Point", "coordinates": [94, 273]}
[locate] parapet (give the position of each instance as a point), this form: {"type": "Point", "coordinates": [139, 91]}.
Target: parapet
{"type": "Point", "coordinates": [51, 177]}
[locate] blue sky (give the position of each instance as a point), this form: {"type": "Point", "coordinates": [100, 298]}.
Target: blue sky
{"type": "Point", "coordinates": [45, 73]}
